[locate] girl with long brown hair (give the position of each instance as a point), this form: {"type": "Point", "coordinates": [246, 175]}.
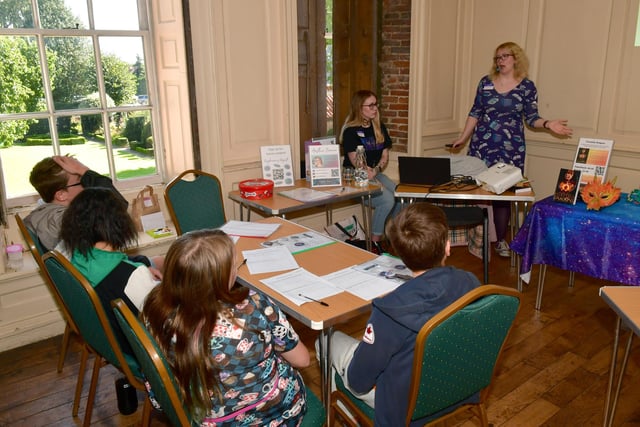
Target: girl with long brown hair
{"type": "Point", "coordinates": [232, 350]}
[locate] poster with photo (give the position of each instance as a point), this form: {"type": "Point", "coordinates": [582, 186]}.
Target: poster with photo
{"type": "Point", "coordinates": [592, 159]}
{"type": "Point", "coordinates": [325, 165]}
{"type": "Point", "coordinates": [276, 164]}
{"type": "Point", "coordinates": [323, 140]}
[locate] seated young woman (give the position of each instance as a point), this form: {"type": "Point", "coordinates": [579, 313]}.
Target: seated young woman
{"type": "Point", "coordinates": [96, 229]}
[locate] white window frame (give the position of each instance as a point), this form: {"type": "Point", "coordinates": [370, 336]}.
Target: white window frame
{"type": "Point", "coordinates": [39, 34]}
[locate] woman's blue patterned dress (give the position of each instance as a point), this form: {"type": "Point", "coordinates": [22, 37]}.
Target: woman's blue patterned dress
{"type": "Point", "coordinates": [499, 133]}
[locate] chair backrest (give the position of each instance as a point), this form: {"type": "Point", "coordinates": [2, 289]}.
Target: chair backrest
{"type": "Point", "coordinates": [154, 365]}
{"type": "Point", "coordinates": [195, 204]}
{"type": "Point", "coordinates": [37, 251]}
{"type": "Point", "coordinates": [457, 350]}
{"type": "Point", "coordinates": [32, 241]}
{"type": "Point", "coordinates": [86, 310]}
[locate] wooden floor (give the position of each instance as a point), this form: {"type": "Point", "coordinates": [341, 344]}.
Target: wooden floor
{"type": "Point", "coordinates": [553, 372]}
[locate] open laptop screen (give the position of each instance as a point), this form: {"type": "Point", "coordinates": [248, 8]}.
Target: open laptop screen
{"type": "Point", "coordinates": [424, 170]}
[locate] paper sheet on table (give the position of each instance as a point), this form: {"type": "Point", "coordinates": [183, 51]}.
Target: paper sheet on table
{"type": "Point", "coordinates": [249, 229]}
{"type": "Point", "coordinates": [361, 284]}
{"type": "Point", "coordinates": [301, 282]}
{"type": "Point", "coordinates": [267, 260]}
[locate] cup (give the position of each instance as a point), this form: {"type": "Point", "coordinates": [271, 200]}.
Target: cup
{"type": "Point", "coordinates": [347, 176]}
{"type": "Point", "coordinates": [14, 257]}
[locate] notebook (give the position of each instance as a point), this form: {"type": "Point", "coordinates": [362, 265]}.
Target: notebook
{"type": "Point", "coordinates": [424, 170]}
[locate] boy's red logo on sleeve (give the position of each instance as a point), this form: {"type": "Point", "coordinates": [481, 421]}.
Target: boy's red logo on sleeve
{"type": "Point", "coordinates": [369, 335]}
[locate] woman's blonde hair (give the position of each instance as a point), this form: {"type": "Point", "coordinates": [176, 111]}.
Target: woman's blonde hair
{"type": "Point", "coordinates": [521, 62]}
{"type": "Point", "coordinates": [355, 118]}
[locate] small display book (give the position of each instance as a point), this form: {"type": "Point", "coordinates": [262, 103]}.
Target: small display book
{"type": "Point", "coordinates": [567, 186]}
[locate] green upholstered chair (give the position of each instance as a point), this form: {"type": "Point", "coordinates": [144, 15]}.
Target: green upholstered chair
{"type": "Point", "coordinates": [454, 359]}
{"type": "Point", "coordinates": [87, 312]}
{"type": "Point", "coordinates": [194, 201]}
{"type": "Point", "coordinates": [158, 372]}
{"type": "Point", "coordinates": [155, 367]}
{"type": "Point", "coordinates": [37, 250]}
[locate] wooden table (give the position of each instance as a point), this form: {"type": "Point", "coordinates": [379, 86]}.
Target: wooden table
{"type": "Point", "coordinates": [625, 301]}
{"type": "Point", "coordinates": [320, 261]}
{"type": "Point", "coordinates": [279, 205]}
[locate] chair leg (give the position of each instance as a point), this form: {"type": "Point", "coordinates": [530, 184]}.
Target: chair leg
{"type": "Point", "coordinates": [146, 412]}
{"type": "Point", "coordinates": [64, 346]}
{"type": "Point", "coordinates": [92, 390]}
{"type": "Point", "coordinates": [79, 383]}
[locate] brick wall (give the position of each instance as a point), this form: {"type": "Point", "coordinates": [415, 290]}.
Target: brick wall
{"type": "Point", "coordinates": [394, 69]}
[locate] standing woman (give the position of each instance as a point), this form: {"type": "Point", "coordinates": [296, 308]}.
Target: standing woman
{"type": "Point", "coordinates": [363, 127]}
{"type": "Point", "coordinates": [232, 351]}
{"type": "Point", "coordinates": [505, 99]}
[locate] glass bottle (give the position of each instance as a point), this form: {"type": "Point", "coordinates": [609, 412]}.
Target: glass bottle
{"type": "Point", "coordinates": [360, 176]}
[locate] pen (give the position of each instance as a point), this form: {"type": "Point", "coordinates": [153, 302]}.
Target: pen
{"type": "Point", "coordinates": [314, 300]}
{"type": "Point", "coordinates": [244, 261]}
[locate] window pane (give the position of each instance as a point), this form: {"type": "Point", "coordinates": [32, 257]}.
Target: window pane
{"type": "Point", "coordinates": [82, 137]}
{"type": "Point", "coordinates": [64, 14]}
{"type": "Point", "coordinates": [132, 142]}
{"type": "Point", "coordinates": [74, 77]}
{"type": "Point", "coordinates": [20, 76]}
{"type": "Point", "coordinates": [16, 14]}
{"type": "Point", "coordinates": [33, 145]}
{"type": "Point", "coordinates": [123, 66]}
{"type": "Point", "coordinates": [116, 14]}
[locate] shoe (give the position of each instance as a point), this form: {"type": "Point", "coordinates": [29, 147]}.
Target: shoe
{"type": "Point", "coordinates": [503, 249]}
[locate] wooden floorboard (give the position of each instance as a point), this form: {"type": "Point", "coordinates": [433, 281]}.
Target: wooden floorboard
{"type": "Point", "coordinates": [553, 371]}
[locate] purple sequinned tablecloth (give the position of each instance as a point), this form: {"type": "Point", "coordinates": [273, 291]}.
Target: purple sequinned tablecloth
{"type": "Point", "coordinates": [604, 244]}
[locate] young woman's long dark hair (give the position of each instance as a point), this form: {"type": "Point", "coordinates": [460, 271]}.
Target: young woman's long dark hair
{"type": "Point", "coordinates": [181, 312]}
{"type": "Point", "coordinates": [97, 215]}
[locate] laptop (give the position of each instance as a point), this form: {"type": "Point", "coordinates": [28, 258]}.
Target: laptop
{"type": "Point", "coordinates": [424, 170]}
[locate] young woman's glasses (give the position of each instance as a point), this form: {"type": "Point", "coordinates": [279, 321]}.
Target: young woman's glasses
{"type": "Point", "coordinates": [502, 57]}
{"type": "Point", "coordinates": [374, 105]}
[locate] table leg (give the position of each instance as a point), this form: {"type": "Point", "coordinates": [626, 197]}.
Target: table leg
{"type": "Point", "coordinates": [610, 405]}
{"type": "Point", "coordinates": [366, 218]}
{"type": "Point", "coordinates": [543, 272]}
{"type": "Point", "coordinates": [324, 344]}
{"type": "Point", "coordinates": [328, 214]}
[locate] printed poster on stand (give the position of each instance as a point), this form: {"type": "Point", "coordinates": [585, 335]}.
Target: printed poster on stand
{"type": "Point", "coordinates": [325, 165]}
{"type": "Point", "coordinates": [276, 164]}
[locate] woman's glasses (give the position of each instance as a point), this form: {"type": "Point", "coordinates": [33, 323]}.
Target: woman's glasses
{"type": "Point", "coordinates": [374, 105]}
{"type": "Point", "coordinates": [502, 57]}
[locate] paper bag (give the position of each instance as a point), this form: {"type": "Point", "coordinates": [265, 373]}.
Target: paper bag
{"type": "Point", "coordinates": [145, 203]}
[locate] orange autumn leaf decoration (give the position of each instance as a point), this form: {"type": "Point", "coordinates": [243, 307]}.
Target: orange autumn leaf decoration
{"type": "Point", "coordinates": [598, 195]}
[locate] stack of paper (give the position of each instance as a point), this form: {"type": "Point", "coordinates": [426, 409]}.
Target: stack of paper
{"type": "Point", "coordinates": [249, 229]}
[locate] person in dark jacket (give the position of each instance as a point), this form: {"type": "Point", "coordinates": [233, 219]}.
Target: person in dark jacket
{"type": "Point", "coordinates": [378, 368]}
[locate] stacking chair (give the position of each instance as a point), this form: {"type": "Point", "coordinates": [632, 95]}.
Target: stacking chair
{"type": "Point", "coordinates": [87, 312]}
{"type": "Point", "coordinates": [37, 250]}
{"type": "Point", "coordinates": [153, 364]}
{"type": "Point", "coordinates": [158, 372]}
{"type": "Point", "coordinates": [196, 203]}
{"type": "Point", "coordinates": [470, 216]}
{"type": "Point", "coordinates": [473, 329]}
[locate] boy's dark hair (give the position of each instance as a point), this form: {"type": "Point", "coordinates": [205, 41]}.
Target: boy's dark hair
{"type": "Point", "coordinates": [97, 215]}
{"type": "Point", "coordinates": [419, 235]}
{"type": "Point", "coordinates": [48, 177]}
